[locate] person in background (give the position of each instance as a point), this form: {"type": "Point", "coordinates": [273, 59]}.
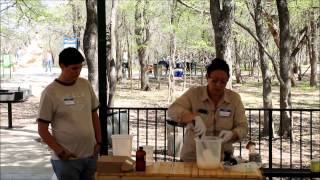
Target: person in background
{"type": "Point", "coordinates": [70, 105]}
{"type": "Point", "coordinates": [210, 110]}
{"type": "Point", "coordinates": [125, 64]}
{"type": "Point", "coordinates": [19, 55]}
{"type": "Point", "coordinates": [49, 61]}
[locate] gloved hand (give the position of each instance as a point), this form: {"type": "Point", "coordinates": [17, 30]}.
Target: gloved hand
{"type": "Point", "coordinates": [199, 127]}
{"type": "Point", "coordinates": [226, 135]}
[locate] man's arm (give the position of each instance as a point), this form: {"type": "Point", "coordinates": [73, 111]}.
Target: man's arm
{"type": "Point", "coordinates": [188, 117]}
{"type": "Point", "coordinates": [97, 132]}
{"type": "Point", "coordinates": [96, 126]}
{"type": "Point", "coordinates": [43, 130]}
{"type": "Point", "coordinates": [180, 109]}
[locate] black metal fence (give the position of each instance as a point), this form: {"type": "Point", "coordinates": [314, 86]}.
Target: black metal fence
{"type": "Point", "coordinates": [151, 126]}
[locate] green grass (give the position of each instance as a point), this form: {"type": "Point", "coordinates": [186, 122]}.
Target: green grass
{"type": "Point", "coordinates": [305, 86]}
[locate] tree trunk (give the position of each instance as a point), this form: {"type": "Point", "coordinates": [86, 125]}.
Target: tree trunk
{"type": "Point", "coordinates": [142, 39]}
{"type": "Point", "coordinates": [254, 64]}
{"type": "Point", "coordinates": [76, 28]}
{"type": "Point", "coordinates": [293, 79]}
{"type": "Point", "coordinates": [119, 59]}
{"type": "Point", "coordinates": [314, 49]}
{"type": "Point", "coordinates": [171, 78]}
{"type": "Point", "coordinates": [144, 72]}
{"type": "Point", "coordinates": [130, 57]}
{"type": "Point", "coordinates": [299, 67]}
{"type": "Point", "coordinates": [222, 20]}
{"type": "Point", "coordinates": [112, 73]}
{"type": "Point", "coordinates": [184, 72]}
{"type": "Point", "coordinates": [90, 44]}
{"type": "Point", "coordinates": [265, 72]}
{"type": "Point", "coordinates": [285, 68]}
{"type": "Point", "coordinates": [238, 62]}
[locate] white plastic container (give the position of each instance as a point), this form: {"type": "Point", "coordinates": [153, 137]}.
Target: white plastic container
{"type": "Point", "coordinates": [208, 150]}
{"type": "Point", "coordinates": [121, 144]}
{"type": "Point", "coordinates": [149, 155]}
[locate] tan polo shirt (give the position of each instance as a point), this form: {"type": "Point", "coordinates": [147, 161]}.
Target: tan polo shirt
{"type": "Point", "coordinates": [228, 115]}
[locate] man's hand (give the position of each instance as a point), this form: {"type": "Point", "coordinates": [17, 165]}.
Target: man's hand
{"type": "Point", "coordinates": [199, 127]}
{"type": "Point", "coordinates": [226, 135]}
{"type": "Point", "coordinates": [96, 150]}
{"type": "Point", "coordinates": [64, 154]}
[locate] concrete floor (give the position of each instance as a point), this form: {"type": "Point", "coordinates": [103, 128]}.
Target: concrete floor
{"type": "Point", "coordinates": [23, 157]}
{"type": "Point", "coordinates": [25, 173]}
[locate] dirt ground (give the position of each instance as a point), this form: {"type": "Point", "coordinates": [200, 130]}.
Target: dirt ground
{"type": "Point", "coordinates": [250, 91]}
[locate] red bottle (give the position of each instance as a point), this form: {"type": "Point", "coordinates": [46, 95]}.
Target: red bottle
{"type": "Point", "coordinates": [140, 160]}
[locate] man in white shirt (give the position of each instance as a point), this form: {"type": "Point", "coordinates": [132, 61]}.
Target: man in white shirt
{"type": "Point", "coordinates": [70, 105]}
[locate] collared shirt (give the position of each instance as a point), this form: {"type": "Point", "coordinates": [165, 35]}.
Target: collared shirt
{"type": "Point", "coordinates": [229, 114]}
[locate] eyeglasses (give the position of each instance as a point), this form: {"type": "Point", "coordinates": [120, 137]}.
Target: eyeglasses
{"type": "Point", "coordinates": [216, 81]}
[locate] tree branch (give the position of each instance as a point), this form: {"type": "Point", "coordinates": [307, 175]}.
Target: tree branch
{"type": "Point", "coordinates": [251, 14]}
{"type": "Point", "coordinates": [264, 48]}
{"type": "Point", "coordinates": [193, 8]}
{"type": "Point", "coordinates": [273, 28]}
{"type": "Point", "coordinates": [302, 39]}
{"type": "Point", "coordinates": [30, 9]}
{"type": "Point", "coordinates": [6, 8]}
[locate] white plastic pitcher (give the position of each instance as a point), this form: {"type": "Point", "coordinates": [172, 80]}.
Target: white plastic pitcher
{"type": "Point", "coordinates": [208, 150]}
{"type": "Point", "coordinates": [121, 144]}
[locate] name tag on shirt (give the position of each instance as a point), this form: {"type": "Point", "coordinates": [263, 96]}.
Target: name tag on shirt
{"type": "Point", "coordinates": [69, 101]}
{"type": "Point", "coordinates": [224, 112]}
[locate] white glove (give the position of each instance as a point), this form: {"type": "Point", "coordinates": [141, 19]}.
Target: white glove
{"type": "Point", "coordinates": [226, 135]}
{"type": "Point", "coordinates": [199, 127]}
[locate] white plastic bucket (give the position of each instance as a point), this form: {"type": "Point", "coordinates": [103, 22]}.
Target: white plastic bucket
{"type": "Point", "coordinates": [208, 150]}
{"type": "Point", "coordinates": [121, 144]}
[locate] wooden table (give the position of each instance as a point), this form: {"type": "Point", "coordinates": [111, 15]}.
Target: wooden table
{"type": "Point", "coordinates": [178, 171]}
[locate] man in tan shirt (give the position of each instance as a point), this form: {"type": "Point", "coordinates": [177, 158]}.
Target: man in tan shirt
{"type": "Point", "coordinates": [69, 105]}
{"type": "Point", "coordinates": [210, 110]}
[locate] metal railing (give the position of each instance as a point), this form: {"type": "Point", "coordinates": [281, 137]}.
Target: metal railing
{"type": "Point", "coordinates": [151, 126]}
